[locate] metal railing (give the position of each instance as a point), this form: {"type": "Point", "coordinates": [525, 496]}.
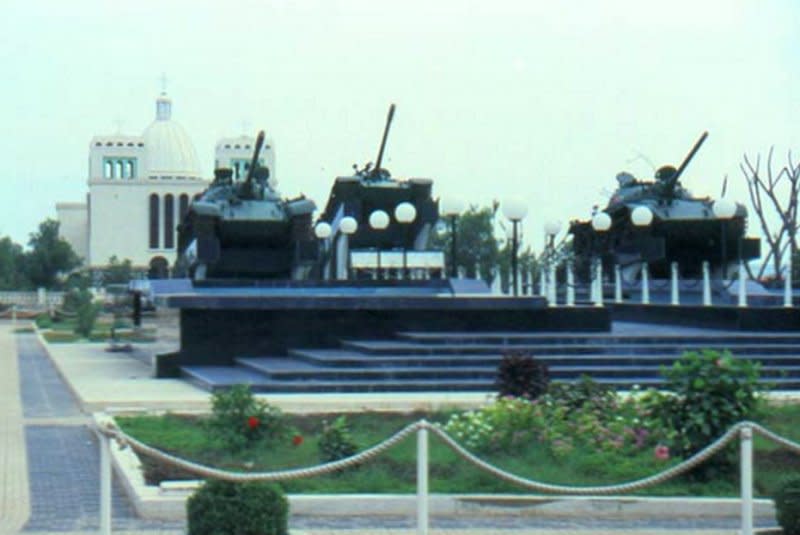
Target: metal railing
{"type": "Point", "coordinates": [109, 431]}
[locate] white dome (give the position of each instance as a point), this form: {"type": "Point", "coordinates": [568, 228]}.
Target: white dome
{"type": "Point", "coordinates": [168, 150]}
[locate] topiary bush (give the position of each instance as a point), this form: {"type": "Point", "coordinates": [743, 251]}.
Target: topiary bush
{"type": "Point", "coordinates": [787, 506]}
{"type": "Point", "coordinates": [239, 420]}
{"type": "Point", "coordinates": [521, 375]}
{"type": "Point", "coordinates": [709, 392]}
{"type": "Point", "coordinates": [225, 508]}
{"type": "Point", "coordinates": [336, 442]}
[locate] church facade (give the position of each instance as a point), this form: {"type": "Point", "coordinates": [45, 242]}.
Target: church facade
{"type": "Point", "coordinates": [139, 189]}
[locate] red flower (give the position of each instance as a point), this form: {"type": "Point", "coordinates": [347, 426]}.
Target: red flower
{"type": "Point", "coordinates": [662, 452]}
{"type": "Point", "coordinates": [253, 422]}
{"type": "Point", "coordinates": [297, 440]}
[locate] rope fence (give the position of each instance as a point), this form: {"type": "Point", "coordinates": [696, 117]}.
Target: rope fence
{"type": "Point", "coordinates": [744, 430]}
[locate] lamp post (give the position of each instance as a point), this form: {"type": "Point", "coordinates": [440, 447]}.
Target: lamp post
{"type": "Point", "coordinates": [322, 231]}
{"type": "Point", "coordinates": [551, 229]}
{"type": "Point", "coordinates": [723, 210]}
{"type": "Point", "coordinates": [641, 217]}
{"type": "Point", "coordinates": [348, 226]}
{"type": "Point", "coordinates": [379, 220]}
{"type": "Point", "coordinates": [515, 212]}
{"type": "Point", "coordinates": [451, 209]}
{"type": "Point", "coordinates": [601, 222]}
{"type": "Point", "coordinates": [405, 214]}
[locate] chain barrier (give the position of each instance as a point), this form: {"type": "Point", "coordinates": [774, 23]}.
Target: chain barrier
{"type": "Point", "coordinates": [123, 439]}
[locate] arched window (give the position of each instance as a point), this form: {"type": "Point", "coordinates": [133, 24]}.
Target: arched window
{"type": "Point", "coordinates": [169, 221]}
{"type": "Point", "coordinates": [154, 222]}
{"type": "Point", "coordinates": [107, 170]}
{"type": "Point", "coordinates": [118, 169]}
{"type": "Point", "coordinates": [183, 206]}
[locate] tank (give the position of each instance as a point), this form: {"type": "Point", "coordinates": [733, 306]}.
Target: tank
{"type": "Point", "coordinates": [372, 188]}
{"type": "Point", "coordinates": [684, 229]}
{"type": "Point", "coordinates": [243, 229]}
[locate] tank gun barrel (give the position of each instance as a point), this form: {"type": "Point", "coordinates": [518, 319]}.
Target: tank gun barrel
{"type": "Point", "coordinates": [383, 141]}
{"type": "Point", "coordinates": [254, 162]}
{"type": "Point", "coordinates": [688, 159]}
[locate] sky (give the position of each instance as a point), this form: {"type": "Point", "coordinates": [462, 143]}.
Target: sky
{"type": "Point", "coordinates": [539, 101]}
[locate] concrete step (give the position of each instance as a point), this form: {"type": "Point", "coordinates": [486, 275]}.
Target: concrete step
{"type": "Point", "coordinates": [516, 338]}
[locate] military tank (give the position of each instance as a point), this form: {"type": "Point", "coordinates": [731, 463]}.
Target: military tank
{"type": "Point", "coordinates": [684, 229]}
{"type": "Point", "coordinates": [243, 229]}
{"type": "Point", "coordinates": [372, 188]}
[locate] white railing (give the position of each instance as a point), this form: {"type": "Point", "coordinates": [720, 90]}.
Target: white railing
{"type": "Point", "coordinates": [109, 431]}
{"type": "Point", "coordinates": [32, 299]}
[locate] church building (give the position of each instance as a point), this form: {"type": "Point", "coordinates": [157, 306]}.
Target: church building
{"type": "Point", "coordinates": [139, 189]}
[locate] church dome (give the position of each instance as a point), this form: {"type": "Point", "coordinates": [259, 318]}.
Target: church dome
{"type": "Point", "coordinates": [169, 152]}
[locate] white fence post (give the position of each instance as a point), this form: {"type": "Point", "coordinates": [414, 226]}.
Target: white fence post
{"type": "Point", "coordinates": [570, 285]}
{"type": "Point", "coordinates": [645, 284]}
{"type": "Point", "coordinates": [676, 300]}
{"type": "Point", "coordinates": [617, 284]}
{"type": "Point", "coordinates": [746, 464]}
{"type": "Point", "coordinates": [598, 296]}
{"type": "Point", "coordinates": [742, 285]}
{"type": "Point", "coordinates": [706, 284]}
{"type": "Point", "coordinates": [422, 479]}
{"type": "Point", "coordinates": [552, 295]}
{"type": "Point", "coordinates": [105, 484]}
{"type": "Point", "coordinates": [787, 284]}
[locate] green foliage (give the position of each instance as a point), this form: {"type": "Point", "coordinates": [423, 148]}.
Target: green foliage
{"type": "Point", "coordinates": [521, 375]}
{"type": "Point", "coordinates": [80, 303]}
{"type": "Point", "coordinates": [50, 256]}
{"type": "Point", "coordinates": [585, 392]}
{"type": "Point", "coordinates": [44, 321]}
{"type": "Point", "coordinates": [12, 266]}
{"type": "Point", "coordinates": [709, 392]}
{"type": "Point", "coordinates": [117, 272]}
{"type": "Point", "coordinates": [475, 241]}
{"type": "Point", "coordinates": [787, 506]}
{"type": "Point", "coordinates": [239, 420]}
{"type": "Point", "coordinates": [224, 508]}
{"type": "Point", "coordinates": [336, 441]}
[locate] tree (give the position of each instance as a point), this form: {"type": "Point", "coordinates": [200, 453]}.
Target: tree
{"type": "Point", "coordinates": [475, 242]}
{"type": "Point", "coordinates": [774, 195]}
{"type": "Point", "coordinates": [50, 256]}
{"type": "Point", "coordinates": [118, 272]}
{"type": "Point", "coordinates": [12, 267]}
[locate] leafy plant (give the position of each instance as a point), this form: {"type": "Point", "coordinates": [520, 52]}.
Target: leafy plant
{"type": "Point", "coordinates": [787, 506]}
{"type": "Point", "coordinates": [238, 419]}
{"type": "Point", "coordinates": [521, 375]}
{"type": "Point", "coordinates": [709, 392]}
{"type": "Point", "coordinates": [224, 508]}
{"type": "Point", "coordinates": [44, 321]}
{"type": "Point", "coordinates": [336, 441]}
{"type": "Point", "coordinates": [586, 391]}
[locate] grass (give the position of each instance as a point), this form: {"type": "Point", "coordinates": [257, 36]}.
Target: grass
{"type": "Point", "coordinates": [63, 331]}
{"type": "Point", "coordinates": [395, 470]}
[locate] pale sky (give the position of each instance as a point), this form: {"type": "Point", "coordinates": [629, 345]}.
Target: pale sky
{"type": "Point", "coordinates": [541, 101]}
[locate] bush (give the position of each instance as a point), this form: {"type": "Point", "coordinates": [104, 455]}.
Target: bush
{"type": "Point", "coordinates": [709, 392]}
{"type": "Point", "coordinates": [43, 321]}
{"type": "Point", "coordinates": [585, 392]}
{"type": "Point", "coordinates": [520, 375]}
{"type": "Point", "coordinates": [336, 442]}
{"type": "Point", "coordinates": [239, 420]}
{"type": "Point", "coordinates": [506, 423]}
{"type": "Point", "coordinates": [787, 507]}
{"type": "Point", "coordinates": [224, 508]}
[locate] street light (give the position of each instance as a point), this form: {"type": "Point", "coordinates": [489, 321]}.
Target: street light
{"type": "Point", "coordinates": [601, 222]}
{"type": "Point", "coordinates": [723, 210]}
{"type": "Point", "coordinates": [379, 220]}
{"type": "Point", "coordinates": [515, 212]}
{"type": "Point", "coordinates": [452, 208]}
{"type": "Point", "coordinates": [348, 226]}
{"type": "Point", "coordinates": [551, 229]}
{"type": "Point", "coordinates": [405, 214]}
{"type": "Point", "coordinates": [641, 217]}
{"type": "Point", "coordinates": [322, 231]}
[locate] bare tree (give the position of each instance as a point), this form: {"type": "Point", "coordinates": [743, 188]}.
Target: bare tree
{"type": "Point", "coordinates": [774, 195]}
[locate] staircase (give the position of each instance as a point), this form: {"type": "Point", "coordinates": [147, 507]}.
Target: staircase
{"type": "Point", "coordinates": [457, 361]}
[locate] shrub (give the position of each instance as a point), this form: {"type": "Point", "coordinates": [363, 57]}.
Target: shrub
{"type": "Point", "coordinates": [336, 442]}
{"type": "Point", "coordinates": [239, 420]}
{"type": "Point", "coordinates": [506, 423]}
{"type": "Point", "coordinates": [586, 391]}
{"type": "Point", "coordinates": [224, 508]}
{"type": "Point", "coordinates": [787, 506]}
{"type": "Point", "coordinates": [521, 375]}
{"type": "Point", "coordinates": [709, 393]}
{"type": "Point", "coordinates": [43, 321]}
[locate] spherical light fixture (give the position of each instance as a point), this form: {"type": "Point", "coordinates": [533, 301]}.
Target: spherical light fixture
{"type": "Point", "coordinates": [723, 208]}
{"type": "Point", "coordinates": [322, 230]}
{"type": "Point", "coordinates": [514, 210]}
{"type": "Point", "coordinates": [379, 220]}
{"type": "Point", "coordinates": [450, 207]}
{"type": "Point", "coordinates": [405, 212]}
{"type": "Point", "coordinates": [601, 222]}
{"type": "Point", "coordinates": [552, 228]}
{"type": "Point", "coordinates": [348, 225]}
{"type": "Point", "coordinates": [641, 216]}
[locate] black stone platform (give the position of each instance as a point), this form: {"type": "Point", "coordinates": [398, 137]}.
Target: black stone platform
{"type": "Point", "coordinates": [221, 322]}
{"type": "Point", "coordinates": [729, 317]}
{"type": "Point", "coordinates": [632, 354]}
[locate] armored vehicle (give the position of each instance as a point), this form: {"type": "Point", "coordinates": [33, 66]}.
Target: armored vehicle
{"type": "Point", "coordinates": [243, 229]}
{"type": "Point", "coordinates": [372, 188]}
{"type": "Point", "coordinates": [683, 229]}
